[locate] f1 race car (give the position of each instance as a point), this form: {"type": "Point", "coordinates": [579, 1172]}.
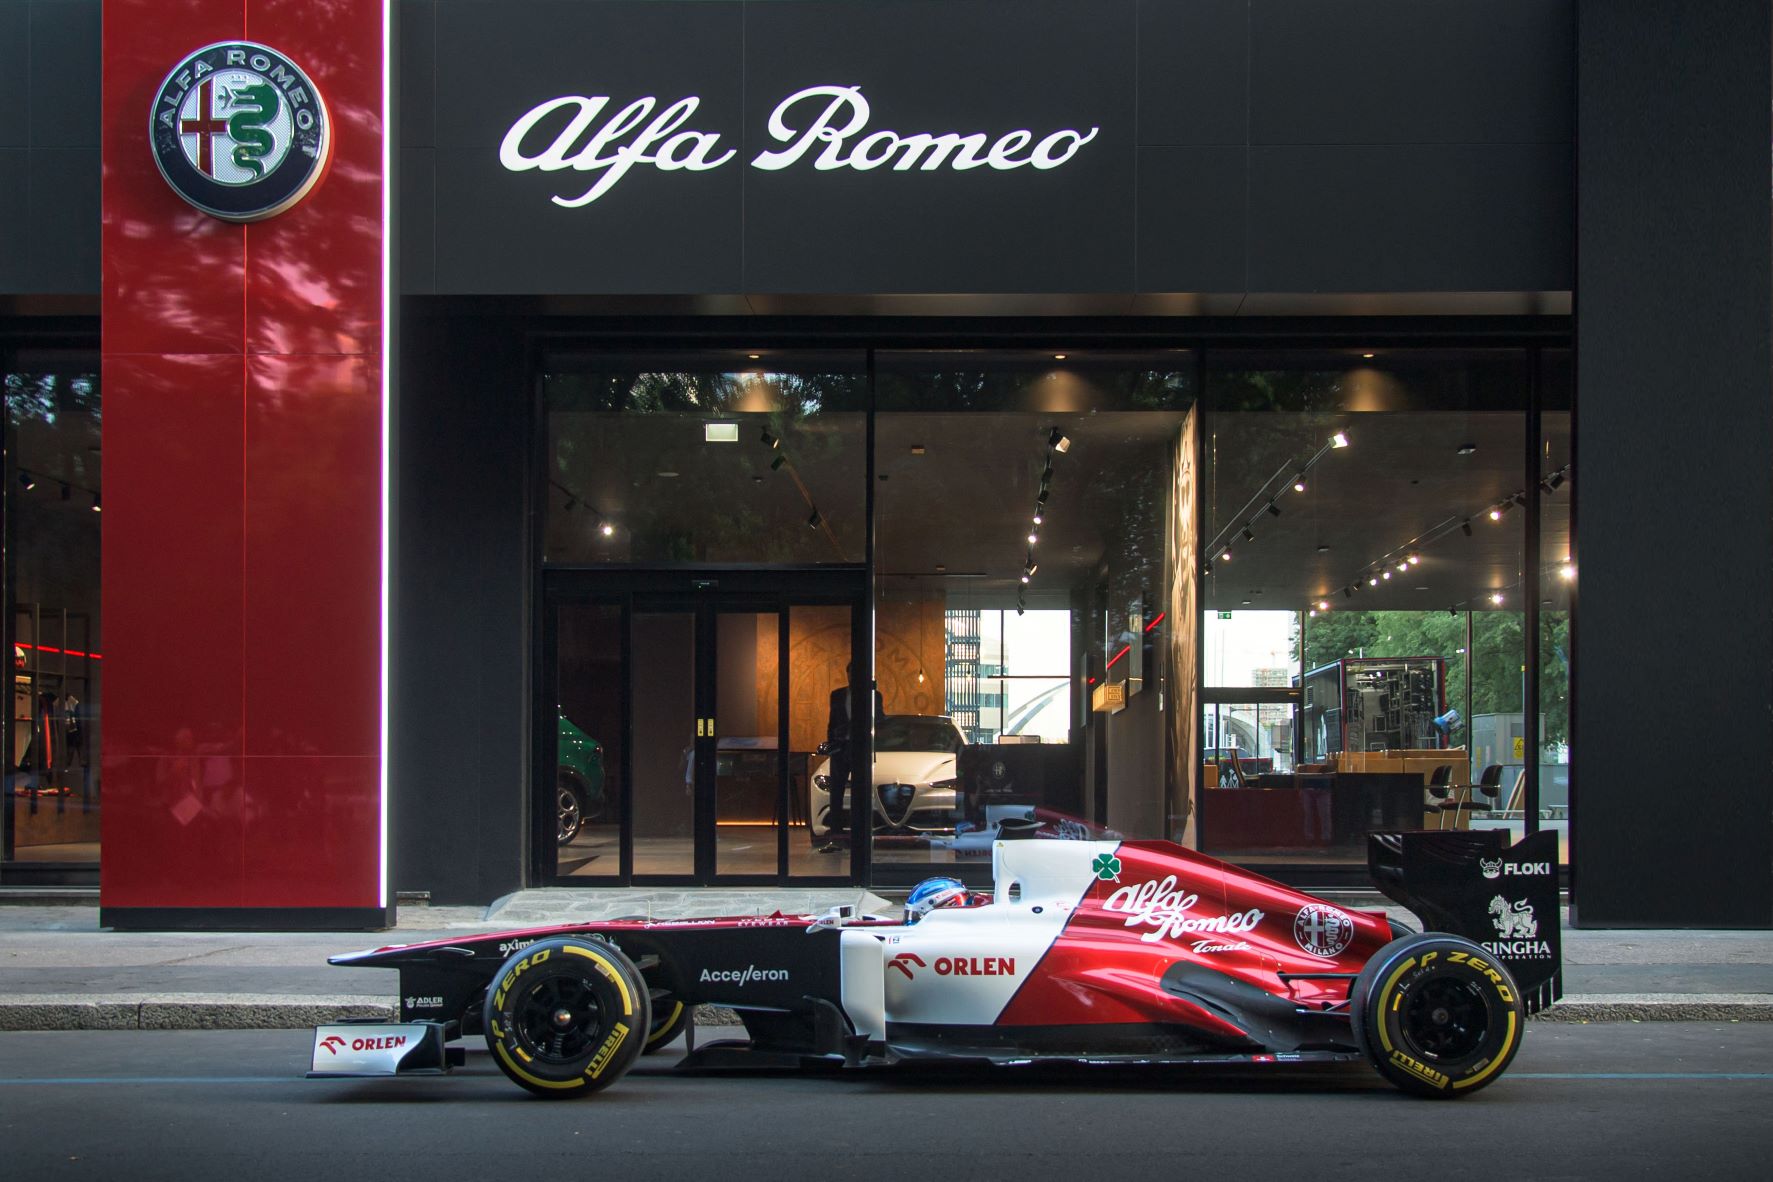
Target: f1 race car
{"type": "Point", "coordinates": [1085, 951]}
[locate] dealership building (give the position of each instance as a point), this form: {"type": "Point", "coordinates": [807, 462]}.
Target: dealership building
{"type": "Point", "coordinates": [456, 446]}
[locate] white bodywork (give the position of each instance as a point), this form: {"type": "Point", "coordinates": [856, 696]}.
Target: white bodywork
{"type": "Point", "coordinates": [961, 966]}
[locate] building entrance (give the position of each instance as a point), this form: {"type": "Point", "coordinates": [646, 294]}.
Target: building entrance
{"type": "Point", "coordinates": [691, 713]}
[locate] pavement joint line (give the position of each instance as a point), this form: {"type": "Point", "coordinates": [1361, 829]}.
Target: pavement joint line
{"type": "Point", "coordinates": [257, 1011]}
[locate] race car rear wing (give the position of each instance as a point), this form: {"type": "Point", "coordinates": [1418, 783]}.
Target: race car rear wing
{"type": "Point", "coordinates": [1472, 883]}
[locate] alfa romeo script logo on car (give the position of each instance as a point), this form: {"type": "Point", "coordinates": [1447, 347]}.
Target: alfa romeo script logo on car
{"type": "Point", "coordinates": [239, 131]}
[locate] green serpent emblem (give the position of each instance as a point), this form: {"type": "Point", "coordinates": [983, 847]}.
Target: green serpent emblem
{"type": "Point", "coordinates": [252, 143]}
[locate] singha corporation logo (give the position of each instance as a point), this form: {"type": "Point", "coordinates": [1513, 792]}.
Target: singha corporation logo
{"type": "Point", "coordinates": [239, 131]}
{"type": "Point", "coordinates": [1515, 922]}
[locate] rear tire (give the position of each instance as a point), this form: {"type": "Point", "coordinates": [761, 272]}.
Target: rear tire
{"type": "Point", "coordinates": [567, 1017]}
{"type": "Point", "coordinates": [1436, 1016]}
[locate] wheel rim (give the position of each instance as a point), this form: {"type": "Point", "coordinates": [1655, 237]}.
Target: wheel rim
{"type": "Point", "coordinates": [568, 814]}
{"type": "Point", "coordinates": [558, 1020]}
{"type": "Point", "coordinates": [1446, 1019]}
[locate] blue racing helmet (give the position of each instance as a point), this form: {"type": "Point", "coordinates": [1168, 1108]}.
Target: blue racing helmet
{"type": "Point", "coordinates": [932, 893]}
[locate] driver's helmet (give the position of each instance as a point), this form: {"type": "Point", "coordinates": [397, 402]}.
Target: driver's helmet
{"type": "Point", "coordinates": [932, 893]}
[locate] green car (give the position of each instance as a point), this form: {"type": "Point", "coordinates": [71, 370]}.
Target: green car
{"type": "Point", "coordinates": [579, 784]}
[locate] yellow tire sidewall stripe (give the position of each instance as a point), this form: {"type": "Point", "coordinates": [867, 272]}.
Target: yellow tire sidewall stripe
{"type": "Point", "coordinates": [609, 970]}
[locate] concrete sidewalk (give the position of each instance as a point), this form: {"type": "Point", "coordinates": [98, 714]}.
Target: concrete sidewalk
{"type": "Point", "coordinates": [59, 971]}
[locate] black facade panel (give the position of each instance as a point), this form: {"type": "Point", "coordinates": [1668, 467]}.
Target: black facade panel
{"type": "Point", "coordinates": [49, 158]}
{"type": "Point", "coordinates": [64, 67]}
{"type": "Point", "coordinates": [461, 610]}
{"type": "Point", "coordinates": [1675, 306]}
{"type": "Point", "coordinates": [1457, 217]}
{"type": "Point", "coordinates": [991, 66]}
{"type": "Point", "coordinates": [652, 232]}
{"type": "Point", "coordinates": [1191, 219]}
{"type": "Point", "coordinates": [1408, 72]}
{"type": "Point", "coordinates": [417, 227]}
{"type": "Point", "coordinates": [1194, 71]}
{"type": "Point", "coordinates": [15, 75]}
{"type": "Point", "coordinates": [15, 200]}
{"type": "Point", "coordinates": [416, 73]}
{"type": "Point", "coordinates": [64, 212]}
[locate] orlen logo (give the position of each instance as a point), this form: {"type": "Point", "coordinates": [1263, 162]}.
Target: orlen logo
{"type": "Point", "coordinates": [956, 966]}
{"type": "Point", "coordinates": [334, 1044]}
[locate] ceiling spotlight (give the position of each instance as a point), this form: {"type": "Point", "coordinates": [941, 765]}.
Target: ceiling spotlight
{"type": "Point", "coordinates": [1452, 611]}
{"type": "Point", "coordinates": [1033, 537]}
{"type": "Point", "coordinates": [1385, 575]}
{"type": "Point", "coordinates": [1465, 527]}
{"type": "Point", "coordinates": [917, 449]}
{"type": "Point", "coordinates": [1032, 569]}
{"type": "Point", "coordinates": [1273, 509]}
{"type": "Point", "coordinates": [1058, 357]}
{"type": "Point", "coordinates": [771, 440]}
{"type": "Point", "coordinates": [1466, 449]}
{"type": "Point", "coordinates": [1348, 592]}
{"type": "Point", "coordinates": [1059, 441]}
{"type": "Point", "coordinates": [1323, 605]}
{"type": "Point", "coordinates": [27, 481]}
{"type": "Point", "coordinates": [1368, 356]}
{"type": "Point", "coordinates": [1374, 581]}
{"type": "Point", "coordinates": [96, 507]}
{"type": "Point", "coordinates": [1402, 567]}
{"type": "Point", "coordinates": [1299, 484]}
{"type": "Point", "coordinates": [1557, 480]}
{"type": "Point", "coordinates": [1225, 557]}
{"type": "Point", "coordinates": [572, 503]}
{"type": "Point", "coordinates": [1024, 578]}
{"type": "Point", "coordinates": [1415, 559]}
{"type": "Point", "coordinates": [1323, 547]}
{"type": "Point", "coordinates": [776, 463]}
{"type": "Point", "coordinates": [1038, 516]}
{"type": "Point", "coordinates": [1020, 609]}
{"type": "Point", "coordinates": [1496, 513]}
{"type": "Point", "coordinates": [607, 530]}
{"type": "Point", "coordinates": [1249, 534]}
{"type": "Point", "coordinates": [1496, 598]}
{"type": "Point", "coordinates": [1207, 567]}
{"type": "Point", "coordinates": [1339, 439]}
{"type": "Point", "coordinates": [1566, 572]}
{"type": "Point", "coordinates": [815, 521]}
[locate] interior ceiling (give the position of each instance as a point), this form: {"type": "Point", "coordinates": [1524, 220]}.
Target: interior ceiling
{"type": "Point", "coordinates": [1400, 479]}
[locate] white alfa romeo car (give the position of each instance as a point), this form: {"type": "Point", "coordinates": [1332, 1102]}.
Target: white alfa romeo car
{"type": "Point", "coordinates": [914, 777]}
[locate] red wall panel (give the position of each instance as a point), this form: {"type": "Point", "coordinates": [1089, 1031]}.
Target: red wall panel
{"type": "Point", "coordinates": [243, 522]}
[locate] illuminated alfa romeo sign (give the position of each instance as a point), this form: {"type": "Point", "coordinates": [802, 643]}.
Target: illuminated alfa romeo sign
{"type": "Point", "coordinates": [239, 131]}
{"type": "Point", "coordinates": [822, 127]}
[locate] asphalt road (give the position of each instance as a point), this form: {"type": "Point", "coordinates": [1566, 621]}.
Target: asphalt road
{"type": "Point", "coordinates": [1606, 1101]}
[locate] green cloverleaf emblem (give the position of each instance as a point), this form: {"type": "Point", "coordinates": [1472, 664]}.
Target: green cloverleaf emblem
{"type": "Point", "coordinates": [1107, 867]}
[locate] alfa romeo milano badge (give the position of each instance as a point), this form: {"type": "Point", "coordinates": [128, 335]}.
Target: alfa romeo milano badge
{"type": "Point", "coordinates": [240, 131]}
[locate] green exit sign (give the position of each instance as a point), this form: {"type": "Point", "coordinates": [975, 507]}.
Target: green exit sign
{"type": "Point", "coordinates": [1224, 615]}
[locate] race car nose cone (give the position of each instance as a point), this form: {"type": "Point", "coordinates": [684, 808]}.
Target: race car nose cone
{"type": "Point", "coordinates": [563, 1019]}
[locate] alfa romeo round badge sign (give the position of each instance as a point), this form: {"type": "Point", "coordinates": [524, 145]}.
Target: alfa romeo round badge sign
{"type": "Point", "coordinates": [240, 131]}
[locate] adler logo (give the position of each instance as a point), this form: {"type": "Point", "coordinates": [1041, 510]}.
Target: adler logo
{"type": "Point", "coordinates": [239, 131]}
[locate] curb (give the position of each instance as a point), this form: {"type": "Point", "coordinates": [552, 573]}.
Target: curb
{"type": "Point", "coordinates": [1661, 1007]}
{"type": "Point", "coordinates": [272, 1011]}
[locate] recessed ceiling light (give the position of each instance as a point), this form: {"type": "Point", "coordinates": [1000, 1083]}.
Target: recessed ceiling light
{"type": "Point", "coordinates": [667, 475]}
{"type": "Point", "coordinates": [720, 432]}
{"type": "Point", "coordinates": [1323, 548]}
{"type": "Point", "coordinates": [1368, 356]}
{"type": "Point", "coordinates": [754, 356]}
{"type": "Point", "coordinates": [917, 449]}
{"type": "Point", "coordinates": [1059, 356]}
{"type": "Point", "coordinates": [1466, 449]}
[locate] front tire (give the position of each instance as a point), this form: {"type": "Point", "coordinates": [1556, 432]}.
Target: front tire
{"type": "Point", "coordinates": [567, 1017]}
{"type": "Point", "coordinates": [1436, 1016]}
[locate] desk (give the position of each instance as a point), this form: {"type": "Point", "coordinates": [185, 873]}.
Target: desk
{"type": "Point", "coordinates": [1329, 811]}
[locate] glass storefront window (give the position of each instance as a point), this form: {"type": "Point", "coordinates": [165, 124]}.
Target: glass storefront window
{"type": "Point", "coordinates": [1361, 616]}
{"type": "Point", "coordinates": [1557, 592]}
{"type": "Point", "coordinates": [708, 458]}
{"type": "Point", "coordinates": [53, 502]}
{"type": "Point", "coordinates": [1024, 564]}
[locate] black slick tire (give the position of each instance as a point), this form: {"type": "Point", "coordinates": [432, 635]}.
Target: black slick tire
{"type": "Point", "coordinates": [1436, 1015]}
{"type": "Point", "coordinates": [567, 1017]}
{"type": "Point", "coordinates": [670, 1016]}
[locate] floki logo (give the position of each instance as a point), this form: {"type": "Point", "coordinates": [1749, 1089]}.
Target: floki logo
{"type": "Point", "coordinates": [239, 131]}
{"type": "Point", "coordinates": [1496, 868]}
{"type": "Point", "coordinates": [1164, 907]}
{"type": "Point", "coordinates": [824, 125]}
